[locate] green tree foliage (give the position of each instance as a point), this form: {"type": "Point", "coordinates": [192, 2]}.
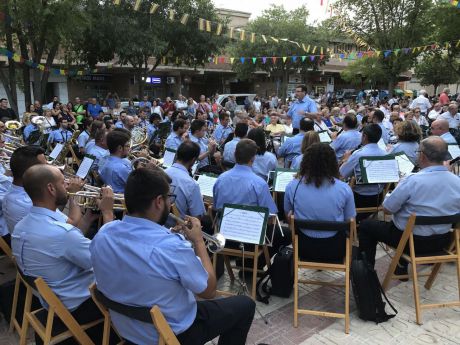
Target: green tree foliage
{"type": "Point", "coordinates": [365, 73]}
{"type": "Point", "coordinates": [388, 25]}
{"type": "Point", "coordinates": [279, 23]}
{"type": "Point", "coordinates": [435, 69]}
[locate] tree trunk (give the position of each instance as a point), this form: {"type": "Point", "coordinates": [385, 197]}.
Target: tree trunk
{"type": "Point", "coordinates": [141, 83]}
{"type": "Point", "coordinates": [391, 87]}
{"type": "Point", "coordinates": [8, 86]}
{"type": "Point", "coordinates": [435, 89]}
{"type": "Point", "coordinates": [9, 83]}
{"type": "Point", "coordinates": [284, 84]}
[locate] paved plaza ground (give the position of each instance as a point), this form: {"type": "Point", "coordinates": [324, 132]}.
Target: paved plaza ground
{"type": "Point", "coordinates": [440, 326]}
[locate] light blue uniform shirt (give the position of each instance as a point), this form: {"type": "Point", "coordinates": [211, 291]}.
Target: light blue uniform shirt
{"type": "Point", "coordinates": [240, 185]}
{"type": "Point", "coordinates": [16, 205]}
{"type": "Point", "coordinates": [59, 136]}
{"type": "Point", "coordinates": [115, 173]}
{"type": "Point", "coordinates": [119, 124]}
{"type": "Point", "coordinates": [229, 150]}
{"type": "Point", "coordinates": [189, 200]}
{"type": "Point", "coordinates": [263, 164]}
{"type": "Point", "coordinates": [347, 140]}
{"type": "Point", "coordinates": [159, 268]}
{"type": "Point", "coordinates": [221, 133]}
{"type": "Point", "coordinates": [306, 104]}
{"type": "Point", "coordinates": [151, 130]}
{"type": "Point", "coordinates": [173, 141]}
{"type": "Point", "coordinates": [409, 148]}
{"type": "Point", "coordinates": [100, 155]}
{"type": "Point", "coordinates": [330, 202]}
{"type": "Point", "coordinates": [448, 138]}
{"type": "Point", "coordinates": [89, 145]}
{"type": "Point", "coordinates": [385, 133]}
{"type": "Point", "coordinates": [203, 143]}
{"type": "Point", "coordinates": [5, 186]}
{"type": "Point", "coordinates": [433, 191]}
{"type": "Point", "coordinates": [351, 167]}
{"type": "Point", "coordinates": [291, 148]}
{"type": "Point", "coordinates": [28, 130]}
{"type": "Point", "coordinates": [44, 245]}
{"type": "Point", "coordinates": [295, 165]}
{"type": "Point", "coordinates": [83, 139]}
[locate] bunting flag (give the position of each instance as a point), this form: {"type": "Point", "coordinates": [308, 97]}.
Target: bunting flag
{"type": "Point", "coordinates": [232, 60]}
{"type": "Point", "coordinates": [153, 8]}
{"type": "Point", "coordinates": [184, 19]}
{"type": "Point", "coordinates": [264, 60]}
{"type": "Point", "coordinates": [230, 32]}
{"type": "Point", "coordinates": [284, 59]}
{"type": "Point", "coordinates": [253, 37]}
{"type": "Point", "coordinates": [171, 15]}
{"type": "Point", "coordinates": [137, 5]}
{"type": "Point", "coordinates": [219, 29]}
{"type": "Point", "coordinates": [242, 35]}
{"type": "Point", "coordinates": [116, 2]}
{"type": "Point", "coordinates": [254, 60]}
{"type": "Point", "coordinates": [264, 38]}
{"type": "Point", "coordinates": [208, 26]}
{"type": "Point", "coordinates": [201, 24]}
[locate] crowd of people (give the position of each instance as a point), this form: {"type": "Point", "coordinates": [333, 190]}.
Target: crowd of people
{"type": "Point", "coordinates": [140, 257]}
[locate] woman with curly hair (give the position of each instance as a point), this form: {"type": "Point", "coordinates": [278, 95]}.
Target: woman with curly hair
{"type": "Point", "coordinates": [317, 194]}
{"type": "Point", "coordinates": [409, 135]}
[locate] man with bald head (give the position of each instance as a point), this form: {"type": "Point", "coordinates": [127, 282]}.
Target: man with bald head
{"type": "Point", "coordinates": [451, 115]}
{"type": "Point", "coordinates": [44, 245]}
{"type": "Point", "coordinates": [441, 129]}
{"type": "Point", "coordinates": [432, 192]}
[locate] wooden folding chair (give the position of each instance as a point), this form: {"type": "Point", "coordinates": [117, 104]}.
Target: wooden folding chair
{"type": "Point", "coordinates": [6, 248]}
{"type": "Point", "coordinates": [165, 334]}
{"type": "Point", "coordinates": [450, 254]}
{"type": "Point", "coordinates": [343, 266]}
{"type": "Point", "coordinates": [57, 308]}
{"type": "Point", "coordinates": [373, 209]}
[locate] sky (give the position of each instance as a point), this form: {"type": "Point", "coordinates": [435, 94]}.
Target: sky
{"type": "Point", "coordinates": [317, 12]}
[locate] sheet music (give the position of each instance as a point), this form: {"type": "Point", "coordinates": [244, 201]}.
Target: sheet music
{"type": "Point", "coordinates": [381, 171]}
{"type": "Point", "coordinates": [195, 167]}
{"type": "Point", "coordinates": [168, 158]}
{"type": "Point", "coordinates": [242, 225]}
{"type": "Point", "coordinates": [454, 150]}
{"type": "Point", "coordinates": [84, 167]}
{"type": "Point", "coordinates": [206, 184]}
{"type": "Point", "coordinates": [405, 165]}
{"type": "Point", "coordinates": [56, 151]}
{"type": "Point", "coordinates": [324, 137]}
{"type": "Point", "coordinates": [282, 179]}
{"type": "Point", "coordinates": [382, 145]}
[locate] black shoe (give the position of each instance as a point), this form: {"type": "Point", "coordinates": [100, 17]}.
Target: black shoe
{"type": "Point", "coordinates": [400, 271]}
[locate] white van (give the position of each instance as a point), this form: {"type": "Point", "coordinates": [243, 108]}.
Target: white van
{"type": "Point", "coordinates": [240, 97]}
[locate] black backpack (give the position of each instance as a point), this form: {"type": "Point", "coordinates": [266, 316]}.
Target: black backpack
{"type": "Point", "coordinates": [367, 290]}
{"type": "Point", "coordinates": [281, 275]}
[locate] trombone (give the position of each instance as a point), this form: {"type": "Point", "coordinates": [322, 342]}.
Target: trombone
{"type": "Point", "coordinates": [215, 243]}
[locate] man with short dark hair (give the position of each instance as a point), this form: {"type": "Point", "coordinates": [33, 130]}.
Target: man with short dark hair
{"type": "Point", "coordinates": [240, 185]}
{"type": "Point", "coordinates": [349, 138]}
{"type": "Point", "coordinates": [207, 147]}
{"type": "Point", "coordinates": [174, 140]}
{"type": "Point", "coordinates": [432, 192]}
{"type": "Point", "coordinates": [99, 151]}
{"type": "Point", "coordinates": [292, 146]}
{"type": "Point", "coordinates": [147, 254]}
{"type": "Point", "coordinates": [62, 134]}
{"type": "Point", "coordinates": [121, 121]}
{"type": "Point", "coordinates": [224, 129]}
{"type": "Point", "coordinates": [304, 106]}
{"type": "Point", "coordinates": [377, 117]}
{"type": "Point", "coordinates": [241, 130]}
{"type": "Point", "coordinates": [5, 112]}
{"type": "Point", "coordinates": [94, 108]}
{"type": "Point", "coordinates": [116, 168]}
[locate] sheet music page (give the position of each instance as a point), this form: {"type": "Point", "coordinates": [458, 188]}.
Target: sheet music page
{"type": "Point", "coordinates": [382, 145]}
{"type": "Point", "coordinates": [84, 167]}
{"type": "Point", "coordinates": [324, 137]}
{"type": "Point", "coordinates": [381, 171]}
{"type": "Point", "coordinates": [282, 180]}
{"type": "Point", "coordinates": [56, 151]}
{"type": "Point", "coordinates": [206, 184]}
{"type": "Point", "coordinates": [405, 165]}
{"type": "Point", "coordinates": [195, 167]}
{"type": "Point", "coordinates": [454, 151]}
{"type": "Point", "coordinates": [242, 225]}
{"type": "Point", "coordinates": [168, 158]}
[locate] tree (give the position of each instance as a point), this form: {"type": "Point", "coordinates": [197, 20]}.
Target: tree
{"type": "Point", "coordinates": [365, 72]}
{"type": "Point", "coordinates": [133, 37]}
{"type": "Point", "coordinates": [435, 69]}
{"type": "Point", "coordinates": [386, 26]}
{"type": "Point", "coordinates": [279, 23]}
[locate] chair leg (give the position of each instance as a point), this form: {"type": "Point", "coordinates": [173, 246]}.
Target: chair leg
{"type": "Point", "coordinates": [347, 288]}
{"type": "Point", "coordinates": [254, 272]}
{"type": "Point", "coordinates": [229, 268]}
{"type": "Point", "coordinates": [267, 256]}
{"type": "Point", "coordinates": [296, 283]}
{"type": "Point", "coordinates": [418, 315]}
{"type": "Point", "coordinates": [49, 327]}
{"type": "Point", "coordinates": [25, 320]}
{"type": "Point", "coordinates": [390, 272]}
{"type": "Point", "coordinates": [15, 302]}
{"type": "Point", "coordinates": [433, 275]}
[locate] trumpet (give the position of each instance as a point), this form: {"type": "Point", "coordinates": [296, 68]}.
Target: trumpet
{"type": "Point", "coordinates": [87, 199]}
{"type": "Point", "coordinates": [214, 243]}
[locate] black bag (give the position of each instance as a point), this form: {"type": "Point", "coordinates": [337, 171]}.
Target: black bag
{"type": "Point", "coordinates": [367, 290]}
{"type": "Point", "coordinates": [281, 275]}
{"type": "Point", "coordinates": [456, 134]}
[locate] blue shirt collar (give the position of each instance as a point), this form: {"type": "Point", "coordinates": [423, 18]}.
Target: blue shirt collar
{"type": "Point", "coordinates": [18, 189]}
{"type": "Point", "coordinates": [434, 168]}
{"type": "Point", "coordinates": [45, 212]}
{"type": "Point", "coordinates": [304, 100]}
{"type": "Point", "coordinates": [240, 167]}
{"type": "Point", "coordinates": [180, 167]}
{"type": "Point", "coordinates": [144, 223]}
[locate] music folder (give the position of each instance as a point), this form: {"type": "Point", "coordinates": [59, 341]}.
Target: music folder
{"type": "Point", "coordinates": [379, 169]}
{"type": "Point", "coordinates": [206, 183]}
{"type": "Point", "coordinates": [282, 179]}
{"type": "Point", "coordinates": [454, 150]}
{"type": "Point", "coordinates": [242, 223]}
{"type": "Point", "coordinates": [56, 151]}
{"type": "Point", "coordinates": [405, 165]}
{"type": "Point", "coordinates": [324, 137]}
{"type": "Point", "coordinates": [169, 157]}
{"type": "Point", "coordinates": [85, 166]}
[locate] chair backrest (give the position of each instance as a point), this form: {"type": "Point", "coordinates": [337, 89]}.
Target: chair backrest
{"type": "Point", "coordinates": [56, 306]}
{"type": "Point", "coordinates": [26, 280]}
{"type": "Point", "coordinates": [6, 248]}
{"type": "Point", "coordinates": [321, 225]}
{"type": "Point", "coordinates": [143, 314]}
{"type": "Point", "coordinates": [428, 220]}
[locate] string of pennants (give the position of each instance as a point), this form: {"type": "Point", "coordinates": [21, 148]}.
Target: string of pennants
{"type": "Point", "coordinates": [455, 3]}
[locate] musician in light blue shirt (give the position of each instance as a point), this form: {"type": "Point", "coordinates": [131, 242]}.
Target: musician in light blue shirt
{"type": "Point", "coordinates": [432, 192]}
{"type": "Point", "coordinates": [116, 168]}
{"type": "Point", "coordinates": [223, 130]}
{"type": "Point", "coordinates": [292, 146]}
{"type": "Point", "coordinates": [302, 107]}
{"type": "Point", "coordinates": [29, 129]}
{"type": "Point", "coordinates": [265, 161]}
{"type": "Point", "coordinates": [44, 245]}
{"type": "Point", "coordinates": [84, 136]}
{"type": "Point", "coordinates": [318, 194]}
{"type": "Point", "coordinates": [99, 151]}
{"type": "Point", "coordinates": [207, 147]}
{"type": "Point", "coordinates": [61, 135]}
{"type": "Point", "coordinates": [377, 117]}
{"type": "Point", "coordinates": [174, 140]}
{"type": "Point", "coordinates": [241, 130]}
{"type": "Point", "coordinates": [366, 195]}
{"type": "Point", "coordinates": [5, 186]}
{"type": "Point", "coordinates": [310, 138]}
{"type": "Point", "coordinates": [240, 185]}
{"type": "Point", "coordinates": [349, 138]}
{"type": "Point", "coordinates": [409, 135]}
{"type": "Point", "coordinates": [189, 201]}
{"type": "Point", "coordinates": [157, 266]}
{"type": "Point", "coordinates": [152, 128]}
{"type": "Point", "coordinates": [441, 128]}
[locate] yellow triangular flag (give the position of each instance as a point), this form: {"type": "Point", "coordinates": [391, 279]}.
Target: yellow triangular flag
{"type": "Point", "coordinates": [321, 51]}
{"type": "Point", "coordinates": [171, 14]}
{"type": "Point", "coordinates": [253, 37]}
{"type": "Point", "coordinates": [242, 35]}
{"type": "Point", "coordinates": [201, 24]}
{"type": "Point", "coordinates": [304, 48]}
{"type": "Point", "coordinates": [314, 49]}
{"type": "Point", "coordinates": [284, 59]}
{"type": "Point", "coordinates": [219, 29]}
{"type": "Point", "coordinates": [163, 60]}
{"type": "Point", "coordinates": [16, 57]}
{"type": "Point", "coordinates": [231, 60]}
{"type": "Point", "coordinates": [62, 72]}
{"type": "Point", "coordinates": [274, 39]}
{"type": "Point", "coordinates": [308, 49]}
{"type": "Point", "coordinates": [414, 50]}
{"type": "Point", "coordinates": [137, 5]}
{"type": "Point", "coordinates": [378, 52]}
{"type": "Point", "coordinates": [230, 33]}
{"type": "Point", "coordinates": [177, 60]}
{"type": "Point", "coordinates": [184, 19]}
{"type": "Point", "coordinates": [154, 8]}
{"type": "Point", "coordinates": [208, 26]}
{"type": "Point", "coordinates": [265, 39]}
{"type": "Point", "coordinates": [458, 44]}
{"type": "Point", "coordinates": [116, 2]}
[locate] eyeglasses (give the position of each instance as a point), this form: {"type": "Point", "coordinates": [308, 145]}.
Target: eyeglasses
{"type": "Point", "coordinates": [172, 198]}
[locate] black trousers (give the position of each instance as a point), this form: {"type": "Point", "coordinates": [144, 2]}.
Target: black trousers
{"type": "Point", "coordinates": [322, 249]}
{"type": "Point", "coordinates": [7, 239]}
{"type": "Point", "coordinates": [366, 201]}
{"type": "Point", "coordinates": [372, 231]}
{"type": "Point", "coordinates": [295, 131]}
